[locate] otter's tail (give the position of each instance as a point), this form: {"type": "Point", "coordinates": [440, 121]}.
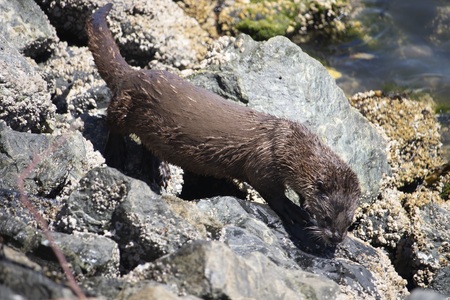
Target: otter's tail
{"type": "Point", "coordinates": [110, 63]}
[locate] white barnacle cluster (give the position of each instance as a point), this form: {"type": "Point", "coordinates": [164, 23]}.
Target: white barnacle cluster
{"type": "Point", "coordinates": [216, 54]}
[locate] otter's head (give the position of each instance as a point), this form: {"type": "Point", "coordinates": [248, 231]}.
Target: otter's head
{"type": "Point", "coordinates": [331, 200]}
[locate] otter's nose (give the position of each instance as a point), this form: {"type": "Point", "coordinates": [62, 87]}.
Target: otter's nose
{"type": "Point", "coordinates": [337, 237]}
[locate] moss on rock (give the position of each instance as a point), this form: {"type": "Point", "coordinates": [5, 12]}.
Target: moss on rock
{"type": "Point", "coordinates": [265, 28]}
{"type": "Point", "coordinates": [265, 19]}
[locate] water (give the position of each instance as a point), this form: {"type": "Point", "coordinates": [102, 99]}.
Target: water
{"type": "Point", "coordinates": [406, 47]}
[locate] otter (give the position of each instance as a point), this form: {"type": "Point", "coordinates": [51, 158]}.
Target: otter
{"type": "Point", "coordinates": [206, 134]}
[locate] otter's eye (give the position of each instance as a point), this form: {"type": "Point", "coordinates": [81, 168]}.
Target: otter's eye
{"type": "Point", "coordinates": [320, 185]}
{"type": "Point", "coordinates": [328, 221]}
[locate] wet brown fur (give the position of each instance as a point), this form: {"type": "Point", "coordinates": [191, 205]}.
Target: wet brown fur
{"type": "Point", "coordinates": [208, 135]}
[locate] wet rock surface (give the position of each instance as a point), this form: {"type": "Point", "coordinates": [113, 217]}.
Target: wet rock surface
{"type": "Point", "coordinates": [124, 240]}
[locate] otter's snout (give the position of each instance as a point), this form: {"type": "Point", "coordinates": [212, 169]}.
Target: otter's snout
{"type": "Point", "coordinates": [337, 237]}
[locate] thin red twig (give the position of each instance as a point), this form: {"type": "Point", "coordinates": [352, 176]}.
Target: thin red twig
{"type": "Point", "coordinates": [37, 158]}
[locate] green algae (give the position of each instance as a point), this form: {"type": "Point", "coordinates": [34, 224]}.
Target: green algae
{"type": "Point", "coordinates": [265, 19]}
{"type": "Point", "coordinates": [265, 28]}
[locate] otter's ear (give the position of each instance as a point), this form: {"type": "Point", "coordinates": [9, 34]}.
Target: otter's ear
{"type": "Point", "coordinates": [320, 185]}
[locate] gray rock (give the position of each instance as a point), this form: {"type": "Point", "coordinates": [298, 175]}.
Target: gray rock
{"type": "Point", "coordinates": [145, 225]}
{"type": "Point", "coordinates": [92, 205]}
{"type": "Point", "coordinates": [242, 232]}
{"type": "Point", "coordinates": [8, 294]}
{"type": "Point", "coordinates": [73, 81]}
{"type": "Point", "coordinates": [436, 225]}
{"type": "Point", "coordinates": [26, 27]}
{"type": "Point", "coordinates": [364, 269]}
{"type": "Point", "coordinates": [12, 204]}
{"type": "Point", "coordinates": [356, 277]}
{"type": "Point", "coordinates": [104, 288]}
{"type": "Point", "coordinates": [25, 103]}
{"type": "Point", "coordinates": [21, 234]}
{"type": "Point", "coordinates": [422, 294]}
{"type": "Point", "coordinates": [151, 290]}
{"type": "Point", "coordinates": [18, 281]}
{"type": "Point", "coordinates": [243, 243]}
{"type": "Point", "coordinates": [121, 289]}
{"type": "Point", "coordinates": [351, 266]}
{"type": "Point", "coordinates": [422, 256]}
{"type": "Point", "coordinates": [88, 254]}
{"type": "Point", "coordinates": [279, 78]}
{"type": "Point", "coordinates": [145, 31]}
{"type": "Point", "coordinates": [15, 256]}
{"type": "Point", "coordinates": [55, 161]}
{"type": "Point", "coordinates": [211, 270]}
{"type": "Point", "coordinates": [226, 210]}
{"type": "Point", "coordinates": [441, 281]}
{"type": "Point", "coordinates": [148, 228]}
